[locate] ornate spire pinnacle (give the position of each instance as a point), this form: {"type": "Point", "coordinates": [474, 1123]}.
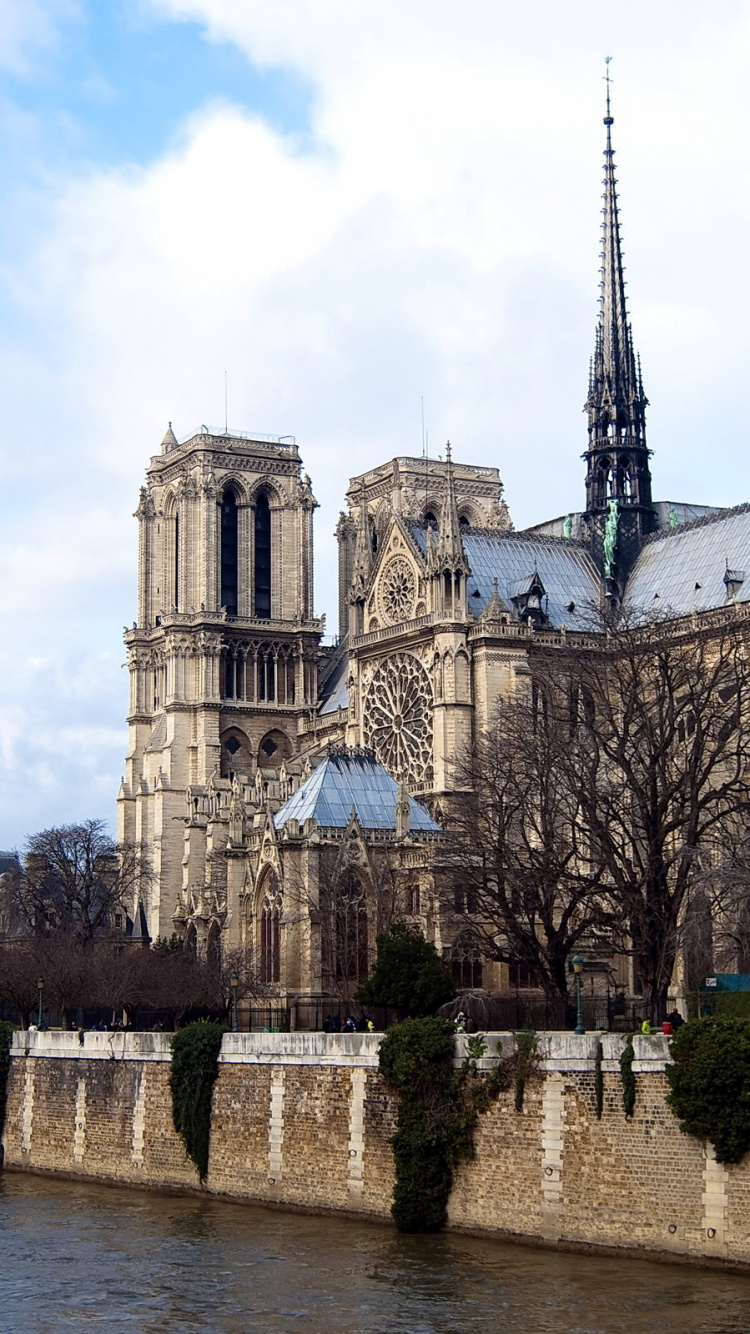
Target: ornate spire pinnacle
{"type": "Point", "coordinates": [449, 551]}
{"type": "Point", "coordinates": [363, 548]}
{"type": "Point", "coordinates": [616, 404]}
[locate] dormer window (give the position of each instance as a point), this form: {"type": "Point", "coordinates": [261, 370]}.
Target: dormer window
{"type": "Point", "coordinates": [733, 581]}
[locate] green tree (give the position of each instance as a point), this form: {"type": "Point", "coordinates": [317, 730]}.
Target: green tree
{"type": "Point", "coordinates": [409, 976]}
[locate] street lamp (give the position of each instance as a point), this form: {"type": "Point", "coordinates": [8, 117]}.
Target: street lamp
{"type": "Point", "coordinates": [234, 982]}
{"type": "Point", "coordinates": [40, 988]}
{"type": "Point", "coordinates": [577, 970]}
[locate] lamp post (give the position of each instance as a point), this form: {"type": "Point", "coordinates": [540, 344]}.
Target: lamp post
{"type": "Point", "coordinates": [40, 989]}
{"type": "Point", "coordinates": [234, 982]}
{"type": "Point", "coordinates": [577, 970]}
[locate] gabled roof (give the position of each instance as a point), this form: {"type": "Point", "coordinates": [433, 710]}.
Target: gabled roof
{"type": "Point", "coordinates": [352, 780]}
{"type": "Point", "coordinates": [683, 570]}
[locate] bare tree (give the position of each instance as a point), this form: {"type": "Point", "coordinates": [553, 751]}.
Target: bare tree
{"type": "Point", "coordinates": [658, 761]}
{"type": "Point", "coordinates": [517, 860]}
{"type": "Point", "coordinates": [75, 878]}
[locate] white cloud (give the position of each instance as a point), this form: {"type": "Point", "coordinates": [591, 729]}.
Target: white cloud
{"type": "Point", "coordinates": [436, 234]}
{"type": "Point", "coordinates": [30, 28]}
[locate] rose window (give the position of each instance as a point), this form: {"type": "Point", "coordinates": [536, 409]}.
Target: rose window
{"type": "Point", "coordinates": [398, 717]}
{"type": "Point", "coordinates": [398, 590]}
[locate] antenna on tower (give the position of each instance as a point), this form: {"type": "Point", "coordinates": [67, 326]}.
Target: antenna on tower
{"type": "Point", "coordinates": [226, 414]}
{"type": "Point", "coordinates": [608, 81]}
{"type": "Point", "coordinates": [423, 445]}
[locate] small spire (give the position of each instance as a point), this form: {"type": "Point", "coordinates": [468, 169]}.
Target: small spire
{"type": "Point", "coordinates": [449, 551]}
{"type": "Point", "coordinates": [170, 439]}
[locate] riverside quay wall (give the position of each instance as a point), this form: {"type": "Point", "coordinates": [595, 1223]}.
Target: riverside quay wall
{"type": "Point", "coordinates": [304, 1121]}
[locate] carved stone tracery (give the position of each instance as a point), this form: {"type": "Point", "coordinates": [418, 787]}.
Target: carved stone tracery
{"type": "Point", "coordinates": [398, 717]}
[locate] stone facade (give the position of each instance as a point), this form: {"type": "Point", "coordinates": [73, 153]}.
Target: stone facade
{"type": "Point", "coordinates": [304, 1121]}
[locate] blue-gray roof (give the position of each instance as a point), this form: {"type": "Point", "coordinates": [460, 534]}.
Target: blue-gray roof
{"type": "Point", "coordinates": [565, 568]}
{"type": "Point", "coordinates": [335, 693]}
{"type": "Point", "coordinates": [347, 780]}
{"type": "Point", "coordinates": [683, 570]}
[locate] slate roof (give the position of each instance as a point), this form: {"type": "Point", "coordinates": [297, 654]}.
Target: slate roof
{"type": "Point", "coordinates": [336, 691]}
{"type": "Point", "coordinates": [347, 780]}
{"type": "Point", "coordinates": [565, 568]}
{"type": "Point", "coordinates": [683, 570]}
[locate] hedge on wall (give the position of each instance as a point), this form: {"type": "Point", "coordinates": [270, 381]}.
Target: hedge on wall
{"type": "Point", "coordinates": [195, 1057]}
{"type": "Point", "coordinates": [437, 1113]}
{"type": "Point", "coordinates": [6, 1037]}
{"type": "Point", "coordinates": [710, 1083]}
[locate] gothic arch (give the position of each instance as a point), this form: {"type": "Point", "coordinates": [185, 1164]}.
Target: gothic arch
{"type": "Point", "coordinates": [265, 486]}
{"type": "Point", "coordinates": [274, 748]}
{"type": "Point", "coordinates": [269, 910]}
{"type": "Point", "coordinates": [232, 481]}
{"type": "Point", "coordinates": [236, 752]}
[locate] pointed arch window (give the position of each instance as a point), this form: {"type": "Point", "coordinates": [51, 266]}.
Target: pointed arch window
{"type": "Point", "coordinates": [270, 934]}
{"type": "Point", "coordinates": [466, 963]}
{"type": "Point", "coordinates": [177, 562]}
{"type": "Point", "coordinates": [229, 566]}
{"type": "Point", "coordinates": [350, 961]}
{"type": "Point", "coordinates": [263, 557]}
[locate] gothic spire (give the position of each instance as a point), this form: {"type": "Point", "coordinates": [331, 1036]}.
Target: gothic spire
{"type": "Point", "coordinates": [616, 403]}
{"type": "Point", "coordinates": [363, 548]}
{"type": "Point", "coordinates": [449, 550]}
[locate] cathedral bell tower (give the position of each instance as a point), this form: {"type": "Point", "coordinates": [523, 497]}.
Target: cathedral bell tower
{"type": "Point", "coordinates": [223, 658]}
{"type": "Point", "coordinates": [619, 509]}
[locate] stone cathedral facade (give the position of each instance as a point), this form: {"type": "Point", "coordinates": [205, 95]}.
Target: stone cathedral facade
{"type": "Point", "coordinates": [288, 793]}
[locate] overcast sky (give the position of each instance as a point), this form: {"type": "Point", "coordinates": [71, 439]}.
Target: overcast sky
{"type": "Point", "coordinates": [347, 205]}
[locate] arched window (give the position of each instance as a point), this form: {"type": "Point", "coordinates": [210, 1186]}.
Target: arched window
{"type": "Point", "coordinates": [229, 573]}
{"type": "Point", "coordinates": [270, 933]}
{"type": "Point", "coordinates": [430, 521]}
{"type": "Point", "coordinates": [177, 562]}
{"type": "Point", "coordinates": [263, 557]}
{"type": "Point", "coordinates": [465, 899]}
{"type": "Point", "coordinates": [349, 932]}
{"type": "Point", "coordinates": [466, 963]}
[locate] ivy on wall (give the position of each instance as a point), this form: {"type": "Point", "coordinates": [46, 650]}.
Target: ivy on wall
{"type": "Point", "coordinates": [6, 1037]}
{"type": "Point", "coordinates": [710, 1083]}
{"type": "Point", "coordinates": [437, 1112]}
{"type": "Point", "coordinates": [628, 1078]}
{"type": "Point", "coordinates": [195, 1057]}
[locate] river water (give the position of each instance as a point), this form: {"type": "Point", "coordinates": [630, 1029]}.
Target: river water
{"type": "Point", "coordinates": [81, 1257]}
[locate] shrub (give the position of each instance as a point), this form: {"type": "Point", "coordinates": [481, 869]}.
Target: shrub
{"type": "Point", "coordinates": [710, 1083]}
{"type": "Point", "coordinates": [409, 976]}
{"type": "Point", "coordinates": [195, 1055]}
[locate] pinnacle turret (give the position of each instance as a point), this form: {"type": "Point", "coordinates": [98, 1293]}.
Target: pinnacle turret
{"type": "Point", "coordinates": [448, 553]}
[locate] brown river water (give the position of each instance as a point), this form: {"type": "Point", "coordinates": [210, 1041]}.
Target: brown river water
{"type": "Point", "coordinates": [81, 1257]}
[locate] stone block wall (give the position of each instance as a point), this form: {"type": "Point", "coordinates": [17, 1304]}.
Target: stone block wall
{"type": "Point", "coordinates": [304, 1120]}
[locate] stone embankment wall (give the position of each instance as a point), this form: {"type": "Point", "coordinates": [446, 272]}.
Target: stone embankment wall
{"type": "Point", "coordinates": [304, 1120]}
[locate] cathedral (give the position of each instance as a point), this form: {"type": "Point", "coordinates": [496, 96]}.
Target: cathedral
{"type": "Point", "coordinates": [288, 793]}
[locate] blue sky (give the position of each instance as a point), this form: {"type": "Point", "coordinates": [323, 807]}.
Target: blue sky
{"type": "Point", "coordinates": [118, 81]}
{"type": "Point", "coordinates": [347, 206]}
